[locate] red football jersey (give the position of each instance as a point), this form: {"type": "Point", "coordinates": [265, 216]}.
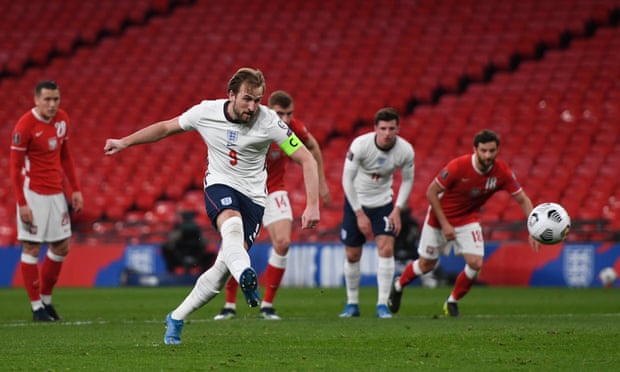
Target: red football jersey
{"type": "Point", "coordinates": [465, 189]}
{"type": "Point", "coordinates": [277, 159]}
{"type": "Point", "coordinates": [40, 154]}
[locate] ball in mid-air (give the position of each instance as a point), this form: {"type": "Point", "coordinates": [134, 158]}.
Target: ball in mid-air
{"type": "Point", "coordinates": [548, 223]}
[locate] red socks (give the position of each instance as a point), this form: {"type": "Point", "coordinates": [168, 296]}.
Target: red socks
{"type": "Point", "coordinates": [30, 273]}
{"type": "Point", "coordinates": [407, 276]}
{"type": "Point", "coordinates": [50, 270]}
{"type": "Point", "coordinates": [273, 278]}
{"type": "Point", "coordinates": [462, 286]}
{"type": "Point", "coordinates": [231, 290]}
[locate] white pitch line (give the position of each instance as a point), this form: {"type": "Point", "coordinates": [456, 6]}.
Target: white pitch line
{"type": "Point", "coordinates": [79, 323]}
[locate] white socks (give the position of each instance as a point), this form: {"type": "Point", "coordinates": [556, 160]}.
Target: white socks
{"type": "Point", "coordinates": [233, 259]}
{"type": "Point", "coordinates": [385, 276]}
{"type": "Point", "coordinates": [207, 286]}
{"type": "Point", "coordinates": [352, 276]}
{"type": "Point", "coordinates": [232, 249]}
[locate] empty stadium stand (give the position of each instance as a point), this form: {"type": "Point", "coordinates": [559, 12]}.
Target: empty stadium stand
{"type": "Point", "coordinates": [543, 74]}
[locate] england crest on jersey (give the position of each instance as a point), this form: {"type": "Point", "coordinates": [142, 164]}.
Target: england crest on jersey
{"type": "Point", "coordinates": [232, 135]}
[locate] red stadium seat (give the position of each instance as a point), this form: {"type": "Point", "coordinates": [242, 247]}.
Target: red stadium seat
{"type": "Point", "coordinates": [566, 102]}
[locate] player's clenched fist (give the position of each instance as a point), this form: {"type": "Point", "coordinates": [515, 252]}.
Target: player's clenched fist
{"type": "Point", "coordinates": [112, 146]}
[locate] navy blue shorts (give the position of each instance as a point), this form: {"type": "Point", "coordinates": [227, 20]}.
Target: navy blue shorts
{"type": "Point", "coordinates": [350, 233]}
{"type": "Point", "coordinates": [220, 197]}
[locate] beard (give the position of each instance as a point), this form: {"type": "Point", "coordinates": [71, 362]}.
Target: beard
{"type": "Point", "coordinates": [487, 164]}
{"type": "Point", "coordinates": [244, 117]}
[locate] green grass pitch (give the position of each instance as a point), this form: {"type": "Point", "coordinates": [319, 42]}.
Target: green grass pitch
{"type": "Point", "coordinates": [500, 329]}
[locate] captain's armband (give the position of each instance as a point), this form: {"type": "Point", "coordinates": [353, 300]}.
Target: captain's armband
{"type": "Point", "coordinates": [291, 144]}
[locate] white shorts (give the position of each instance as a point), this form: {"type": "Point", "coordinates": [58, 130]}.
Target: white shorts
{"type": "Point", "coordinates": [278, 207]}
{"type": "Point", "coordinates": [51, 222]}
{"type": "Point", "coordinates": [469, 240]}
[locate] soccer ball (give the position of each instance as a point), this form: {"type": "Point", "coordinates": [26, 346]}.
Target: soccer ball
{"type": "Point", "coordinates": [548, 223]}
{"type": "Point", "coordinates": [608, 276]}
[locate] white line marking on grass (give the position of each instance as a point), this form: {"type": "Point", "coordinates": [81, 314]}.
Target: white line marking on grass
{"type": "Point", "coordinates": [570, 315]}
{"type": "Point", "coordinates": [24, 323]}
{"type": "Point", "coordinates": [81, 323]}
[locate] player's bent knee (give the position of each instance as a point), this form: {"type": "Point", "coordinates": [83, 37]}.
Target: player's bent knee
{"type": "Point", "coordinates": [427, 265]}
{"type": "Point", "coordinates": [60, 248]}
{"type": "Point", "coordinates": [281, 246]}
{"type": "Point", "coordinates": [474, 264]}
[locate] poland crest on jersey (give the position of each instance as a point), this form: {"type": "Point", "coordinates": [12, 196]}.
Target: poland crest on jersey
{"type": "Point", "coordinates": [52, 143]}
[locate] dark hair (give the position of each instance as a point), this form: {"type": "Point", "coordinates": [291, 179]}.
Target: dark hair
{"type": "Point", "coordinates": [387, 114]}
{"type": "Point", "coordinates": [486, 136]}
{"type": "Point", "coordinates": [254, 79]}
{"type": "Point", "coordinates": [280, 98]}
{"type": "Point", "coordinates": [45, 84]}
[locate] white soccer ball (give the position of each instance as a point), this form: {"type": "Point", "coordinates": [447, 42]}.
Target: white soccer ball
{"type": "Point", "coordinates": [548, 223]}
{"type": "Point", "coordinates": [608, 276]}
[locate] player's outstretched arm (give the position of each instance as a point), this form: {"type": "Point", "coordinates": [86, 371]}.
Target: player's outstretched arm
{"type": "Point", "coordinates": [152, 133]}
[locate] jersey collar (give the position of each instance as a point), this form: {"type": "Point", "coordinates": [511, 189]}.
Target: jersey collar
{"type": "Point", "coordinates": [382, 149]}
{"type": "Point", "coordinates": [39, 117]}
{"type": "Point", "coordinates": [473, 164]}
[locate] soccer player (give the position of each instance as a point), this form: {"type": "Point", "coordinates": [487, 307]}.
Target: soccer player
{"type": "Point", "coordinates": [40, 159]}
{"type": "Point", "coordinates": [238, 132]}
{"type": "Point", "coordinates": [369, 208]}
{"type": "Point", "coordinates": [278, 218]}
{"type": "Point", "coordinates": [455, 196]}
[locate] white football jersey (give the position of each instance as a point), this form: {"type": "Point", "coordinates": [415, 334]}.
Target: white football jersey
{"type": "Point", "coordinates": [236, 152]}
{"type": "Point", "coordinates": [373, 169]}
